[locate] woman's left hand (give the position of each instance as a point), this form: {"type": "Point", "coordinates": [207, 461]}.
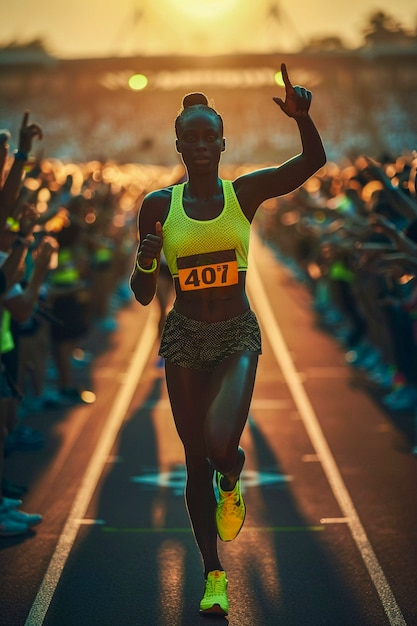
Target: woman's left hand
{"type": "Point", "coordinates": [150, 247]}
{"type": "Point", "coordinates": [297, 99]}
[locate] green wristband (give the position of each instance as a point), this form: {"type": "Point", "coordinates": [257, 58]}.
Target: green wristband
{"type": "Point", "coordinates": [150, 270]}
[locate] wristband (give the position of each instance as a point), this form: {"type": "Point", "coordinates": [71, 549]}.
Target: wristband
{"type": "Point", "coordinates": [149, 270]}
{"type": "Point", "coordinates": [12, 225]}
{"type": "Point", "coordinates": [19, 155]}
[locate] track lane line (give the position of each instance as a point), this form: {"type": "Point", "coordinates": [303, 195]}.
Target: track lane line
{"type": "Point", "coordinates": [93, 472]}
{"type": "Point", "coordinates": [264, 312]}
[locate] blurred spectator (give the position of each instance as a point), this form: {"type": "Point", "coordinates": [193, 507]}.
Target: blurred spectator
{"type": "Point", "coordinates": [68, 296]}
{"type": "Point", "coordinates": [103, 270]}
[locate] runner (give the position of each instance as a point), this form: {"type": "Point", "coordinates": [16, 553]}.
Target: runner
{"type": "Point", "coordinates": [211, 339]}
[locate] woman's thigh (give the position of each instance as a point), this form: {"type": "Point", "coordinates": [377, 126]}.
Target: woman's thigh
{"type": "Point", "coordinates": [231, 389]}
{"type": "Point", "coordinates": [211, 409]}
{"type": "Point", "coordinates": [188, 392]}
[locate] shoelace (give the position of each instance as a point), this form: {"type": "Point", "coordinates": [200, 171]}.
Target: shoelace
{"type": "Point", "coordinates": [215, 587]}
{"type": "Point", "coordinates": [231, 503]}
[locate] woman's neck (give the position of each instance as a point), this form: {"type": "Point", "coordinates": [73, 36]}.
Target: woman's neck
{"type": "Point", "coordinates": [203, 188]}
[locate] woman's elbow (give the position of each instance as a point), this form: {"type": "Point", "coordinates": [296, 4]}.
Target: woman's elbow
{"type": "Point", "coordinates": [319, 162]}
{"type": "Point", "coordinates": [143, 298]}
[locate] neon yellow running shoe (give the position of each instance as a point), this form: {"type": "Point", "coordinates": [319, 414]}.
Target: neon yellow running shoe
{"type": "Point", "coordinates": [215, 600]}
{"type": "Point", "coordinates": [230, 511]}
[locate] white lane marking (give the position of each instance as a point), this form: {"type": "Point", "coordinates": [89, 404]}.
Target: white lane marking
{"type": "Point", "coordinates": [326, 372]}
{"type": "Point", "coordinates": [265, 404]}
{"type": "Point", "coordinates": [270, 327]}
{"type": "Point", "coordinates": [310, 458]}
{"type": "Point", "coordinates": [93, 472]}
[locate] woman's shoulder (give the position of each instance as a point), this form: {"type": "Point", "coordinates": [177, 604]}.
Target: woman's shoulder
{"type": "Point", "coordinates": [159, 198]}
{"type": "Point", "coordinates": [156, 204]}
{"type": "Point", "coordinates": [158, 195]}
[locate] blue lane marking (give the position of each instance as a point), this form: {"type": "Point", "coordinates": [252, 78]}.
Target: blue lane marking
{"type": "Point", "coordinates": [174, 479]}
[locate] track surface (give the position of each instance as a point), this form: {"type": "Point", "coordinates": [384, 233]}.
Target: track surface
{"type": "Point", "coordinates": [330, 536]}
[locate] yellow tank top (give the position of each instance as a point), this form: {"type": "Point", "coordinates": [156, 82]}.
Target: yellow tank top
{"type": "Point", "coordinates": [185, 237]}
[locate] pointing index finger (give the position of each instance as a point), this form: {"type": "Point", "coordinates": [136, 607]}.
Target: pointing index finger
{"type": "Point", "coordinates": [25, 119]}
{"type": "Point", "coordinates": [285, 78]}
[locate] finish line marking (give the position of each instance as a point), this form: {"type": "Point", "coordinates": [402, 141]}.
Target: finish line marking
{"type": "Point", "coordinates": [93, 472]}
{"type": "Point", "coordinates": [244, 531]}
{"type": "Point", "coordinates": [292, 378]}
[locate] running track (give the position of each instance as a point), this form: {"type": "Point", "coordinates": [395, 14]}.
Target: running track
{"type": "Point", "coordinates": [330, 486]}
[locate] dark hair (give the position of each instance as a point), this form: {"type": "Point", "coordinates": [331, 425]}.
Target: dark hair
{"type": "Point", "coordinates": [192, 100]}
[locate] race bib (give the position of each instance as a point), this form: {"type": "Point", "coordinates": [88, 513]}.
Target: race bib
{"type": "Point", "coordinates": [211, 269]}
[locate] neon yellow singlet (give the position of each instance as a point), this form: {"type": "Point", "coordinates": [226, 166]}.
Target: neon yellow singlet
{"type": "Point", "coordinates": [186, 237]}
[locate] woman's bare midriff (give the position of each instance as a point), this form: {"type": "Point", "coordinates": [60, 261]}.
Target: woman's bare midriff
{"type": "Point", "coordinates": [214, 304]}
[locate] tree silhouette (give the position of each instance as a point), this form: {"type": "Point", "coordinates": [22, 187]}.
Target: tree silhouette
{"type": "Point", "coordinates": [384, 29]}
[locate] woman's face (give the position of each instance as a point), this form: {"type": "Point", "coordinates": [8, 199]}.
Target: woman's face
{"type": "Point", "coordinates": [200, 141]}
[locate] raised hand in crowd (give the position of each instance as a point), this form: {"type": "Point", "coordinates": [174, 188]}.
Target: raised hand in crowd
{"type": "Point", "coordinates": [27, 133]}
{"type": "Point", "coordinates": [12, 184]}
{"type": "Point", "coordinates": [4, 151]}
{"type": "Point", "coordinates": [401, 202]}
{"type": "Point", "coordinates": [381, 224]}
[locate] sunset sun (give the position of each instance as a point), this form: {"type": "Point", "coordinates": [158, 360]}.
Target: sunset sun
{"type": "Point", "coordinates": [204, 9]}
{"type": "Point", "coordinates": [205, 26]}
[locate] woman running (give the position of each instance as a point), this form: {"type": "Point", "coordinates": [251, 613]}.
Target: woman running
{"type": "Point", "coordinates": [211, 339]}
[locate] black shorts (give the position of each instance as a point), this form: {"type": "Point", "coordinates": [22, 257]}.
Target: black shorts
{"type": "Point", "coordinates": [203, 345]}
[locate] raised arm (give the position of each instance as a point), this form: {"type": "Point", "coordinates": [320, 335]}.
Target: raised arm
{"type": "Point", "coordinates": [11, 187]}
{"type": "Point", "coordinates": [381, 224]}
{"type": "Point", "coordinates": [14, 264]}
{"type": "Point", "coordinates": [4, 152]}
{"type": "Point", "coordinates": [22, 306]}
{"type": "Point", "coordinates": [254, 188]}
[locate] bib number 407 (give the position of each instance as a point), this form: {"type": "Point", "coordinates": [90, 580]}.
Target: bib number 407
{"type": "Point", "coordinates": [204, 277]}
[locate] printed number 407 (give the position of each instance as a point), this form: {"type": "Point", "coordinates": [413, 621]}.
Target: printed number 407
{"type": "Point", "coordinates": [207, 276]}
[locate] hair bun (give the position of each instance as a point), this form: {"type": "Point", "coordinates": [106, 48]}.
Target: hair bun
{"type": "Point", "coordinates": [192, 99]}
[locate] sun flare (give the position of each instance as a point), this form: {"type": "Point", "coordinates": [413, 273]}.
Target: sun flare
{"type": "Point", "coordinates": [204, 27]}
{"type": "Point", "coordinates": [204, 9]}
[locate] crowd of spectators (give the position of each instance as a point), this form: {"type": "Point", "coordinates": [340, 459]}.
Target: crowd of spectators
{"type": "Point", "coordinates": [350, 235]}
{"type": "Point", "coordinates": [68, 233]}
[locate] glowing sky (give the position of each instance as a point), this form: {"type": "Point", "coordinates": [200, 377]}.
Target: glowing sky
{"type": "Point", "coordinates": [90, 28]}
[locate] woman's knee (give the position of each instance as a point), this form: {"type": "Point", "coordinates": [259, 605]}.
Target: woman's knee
{"type": "Point", "coordinates": [224, 457]}
{"type": "Point", "coordinates": [198, 466]}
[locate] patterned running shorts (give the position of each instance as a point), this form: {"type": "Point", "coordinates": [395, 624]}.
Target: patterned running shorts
{"type": "Point", "coordinates": [202, 345]}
